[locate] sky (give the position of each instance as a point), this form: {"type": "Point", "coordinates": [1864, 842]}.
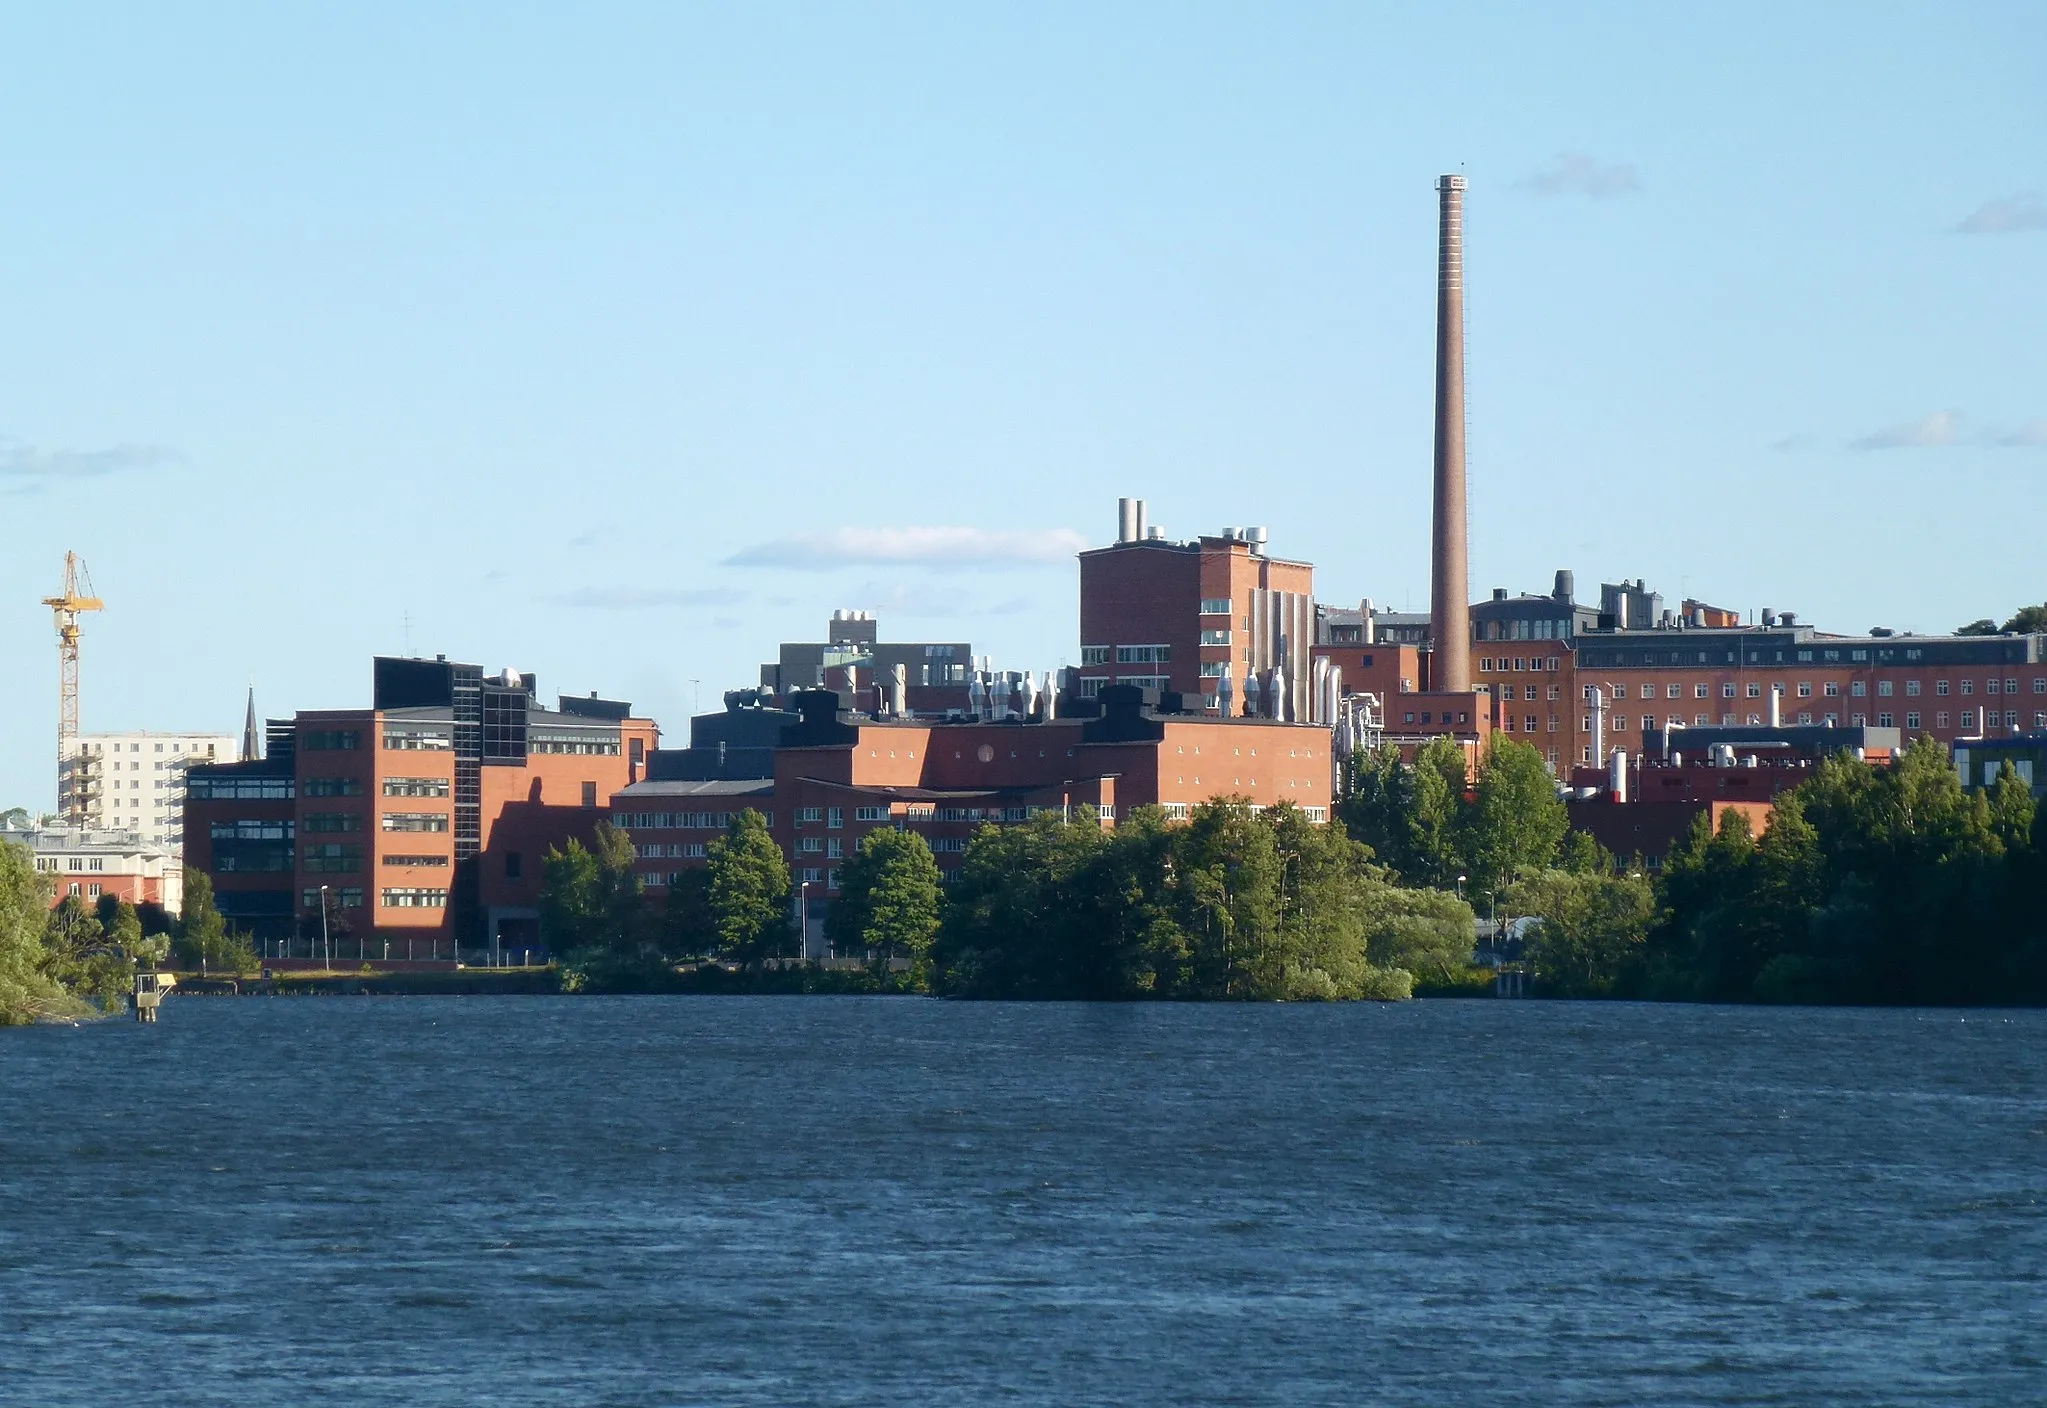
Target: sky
{"type": "Point", "coordinates": [622, 342]}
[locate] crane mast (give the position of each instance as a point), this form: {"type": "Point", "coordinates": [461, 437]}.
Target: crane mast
{"type": "Point", "coordinates": [76, 600]}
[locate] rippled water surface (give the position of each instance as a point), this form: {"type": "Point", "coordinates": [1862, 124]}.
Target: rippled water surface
{"type": "Point", "coordinates": [815, 1200]}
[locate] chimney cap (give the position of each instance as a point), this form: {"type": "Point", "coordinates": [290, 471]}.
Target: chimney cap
{"type": "Point", "coordinates": [1450, 183]}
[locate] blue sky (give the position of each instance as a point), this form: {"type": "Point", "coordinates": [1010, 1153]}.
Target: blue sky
{"type": "Point", "coordinates": [621, 342]}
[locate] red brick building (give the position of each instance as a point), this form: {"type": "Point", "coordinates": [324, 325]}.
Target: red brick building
{"type": "Point", "coordinates": [1185, 617]}
{"type": "Point", "coordinates": [839, 775]}
{"type": "Point", "coordinates": [415, 825]}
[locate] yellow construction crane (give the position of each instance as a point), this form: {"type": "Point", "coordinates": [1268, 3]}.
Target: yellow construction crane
{"type": "Point", "coordinates": [77, 598]}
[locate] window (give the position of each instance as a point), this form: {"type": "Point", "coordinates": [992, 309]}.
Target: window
{"type": "Point", "coordinates": [1883, 689]}
{"type": "Point", "coordinates": [1968, 686]}
{"type": "Point", "coordinates": [1215, 606]}
{"type": "Point", "coordinates": [1912, 688]}
{"type": "Point", "coordinates": [1968, 718]}
{"type": "Point", "coordinates": [347, 897]}
{"type": "Point", "coordinates": [814, 876]}
{"type": "Point", "coordinates": [870, 813]}
{"type": "Point", "coordinates": [835, 849]}
{"type": "Point", "coordinates": [813, 814]}
{"type": "Point", "coordinates": [1143, 654]}
{"type": "Point", "coordinates": [515, 864]}
{"type": "Point", "coordinates": [334, 787]}
{"type": "Point", "coordinates": [416, 860]}
{"type": "Point", "coordinates": [2012, 687]}
{"type": "Point", "coordinates": [1805, 718]}
{"type": "Point", "coordinates": [415, 821]}
{"type": "Point", "coordinates": [1912, 718]}
{"type": "Point", "coordinates": [1210, 669]}
{"type": "Point", "coordinates": [1727, 691]}
{"type": "Point", "coordinates": [1675, 691]}
{"type": "Point", "coordinates": [1098, 654]}
{"type": "Point", "coordinates": [1701, 691]}
{"type": "Point", "coordinates": [1620, 723]}
{"type": "Point", "coordinates": [1940, 718]}
{"type": "Point", "coordinates": [415, 787]}
{"type": "Point", "coordinates": [330, 740]}
{"type": "Point", "coordinates": [1833, 689]}
{"type": "Point", "coordinates": [2040, 684]}
{"type": "Point", "coordinates": [239, 789]}
{"type": "Point", "coordinates": [835, 818]}
{"type": "Point", "coordinates": [1208, 637]}
{"type": "Point", "coordinates": [408, 738]}
{"type": "Point", "coordinates": [332, 858]}
{"type": "Point", "coordinates": [1858, 689]}
{"type": "Point", "coordinates": [333, 821]}
{"type": "Point", "coordinates": [589, 794]}
{"type": "Point", "coordinates": [1805, 689]}
{"type": "Point", "coordinates": [1886, 720]}
{"type": "Point", "coordinates": [810, 846]}
{"type": "Point", "coordinates": [1755, 691]}
{"type": "Point", "coordinates": [1854, 720]}
{"type": "Point", "coordinates": [585, 743]}
{"type": "Point", "coordinates": [1485, 664]}
{"type": "Point", "coordinates": [1940, 686]}
{"type": "Point", "coordinates": [1989, 687]}
{"type": "Point", "coordinates": [415, 899]}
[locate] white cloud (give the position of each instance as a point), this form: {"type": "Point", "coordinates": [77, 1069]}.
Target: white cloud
{"type": "Point", "coordinates": [1576, 174]}
{"type": "Point", "coordinates": [2007, 217]}
{"type": "Point", "coordinates": [630, 599]}
{"type": "Point", "coordinates": [1939, 428]}
{"type": "Point", "coordinates": [927, 547]}
{"type": "Point", "coordinates": [25, 462]}
{"type": "Point", "coordinates": [2033, 432]}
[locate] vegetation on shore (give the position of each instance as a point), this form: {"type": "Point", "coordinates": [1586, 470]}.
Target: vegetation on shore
{"type": "Point", "coordinates": [1232, 904]}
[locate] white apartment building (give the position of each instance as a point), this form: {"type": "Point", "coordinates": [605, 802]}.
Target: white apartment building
{"type": "Point", "coordinates": [134, 781]}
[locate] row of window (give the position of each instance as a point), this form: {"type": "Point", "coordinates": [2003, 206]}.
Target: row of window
{"type": "Point", "coordinates": [686, 821]}
{"type": "Point", "coordinates": [1505, 665]}
{"type": "Point", "coordinates": [239, 789]}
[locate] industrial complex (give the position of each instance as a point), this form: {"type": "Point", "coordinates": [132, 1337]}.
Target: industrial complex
{"type": "Point", "coordinates": [411, 827]}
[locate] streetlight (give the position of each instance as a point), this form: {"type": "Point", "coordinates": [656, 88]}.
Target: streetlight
{"type": "Point", "coordinates": [803, 919]}
{"type": "Point", "coordinates": [326, 943]}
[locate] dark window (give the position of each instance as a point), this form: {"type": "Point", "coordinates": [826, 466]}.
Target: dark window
{"type": "Point", "coordinates": [331, 740]}
{"type": "Point", "coordinates": [639, 750]}
{"type": "Point", "coordinates": [513, 863]}
{"type": "Point", "coordinates": [589, 794]}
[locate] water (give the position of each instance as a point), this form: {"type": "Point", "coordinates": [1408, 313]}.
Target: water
{"type": "Point", "coordinates": [871, 1201]}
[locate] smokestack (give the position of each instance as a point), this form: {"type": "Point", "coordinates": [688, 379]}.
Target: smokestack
{"type": "Point", "coordinates": [1126, 520]}
{"type": "Point", "coordinates": [1449, 599]}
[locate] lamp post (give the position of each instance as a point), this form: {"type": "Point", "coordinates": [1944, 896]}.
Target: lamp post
{"type": "Point", "coordinates": [803, 919]}
{"type": "Point", "coordinates": [326, 942]}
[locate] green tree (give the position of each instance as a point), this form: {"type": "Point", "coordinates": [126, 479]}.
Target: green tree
{"type": "Point", "coordinates": [27, 991]}
{"type": "Point", "coordinates": [1589, 930]}
{"type": "Point", "coordinates": [1517, 819]}
{"type": "Point", "coordinates": [590, 897]}
{"type": "Point", "coordinates": [1428, 933]}
{"type": "Point", "coordinates": [2011, 809]}
{"type": "Point", "coordinates": [1981, 626]}
{"type": "Point", "coordinates": [79, 954]}
{"type": "Point", "coordinates": [750, 891]}
{"type": "Point", "coordinates": [2028, 620]}
{"type": "Point", "coordinates": [204, 939]}
{"type": "Point", "coordinates": [889, 902]}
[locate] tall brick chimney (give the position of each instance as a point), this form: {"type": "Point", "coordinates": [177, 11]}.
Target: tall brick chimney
{"type": "Point", "coordinates": [1449, 569]}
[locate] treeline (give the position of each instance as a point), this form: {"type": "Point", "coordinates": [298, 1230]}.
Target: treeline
{"type": "Point", "coordinates": [76, 959]}
{"type": "Point", "coordinates": [1870, 883]}
{"type": "Point", "coordinates": [1231, 904]}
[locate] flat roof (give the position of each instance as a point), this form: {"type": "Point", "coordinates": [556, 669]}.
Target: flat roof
{"type": "Point", "coordinates": [719, 787]}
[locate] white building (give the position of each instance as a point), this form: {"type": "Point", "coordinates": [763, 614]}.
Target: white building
{"type": "Point", "coordinates": [87, 864]}
{"type": "Point", "coordinates": [134, 782]}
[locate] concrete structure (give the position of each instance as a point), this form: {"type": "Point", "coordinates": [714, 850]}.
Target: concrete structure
{"type": "Point", "coordinates": [87, 864]}
{"type": "Point", "coordinates": [414, 825]}
{"type": "Point", "coordinates": [935, 673]}
{"type": "Point", "coordinates": [1213, 618]}
{"type": "Point", "coordinates": [1449, 569]}
{"type": "Point", "coordinates": [133, 781]}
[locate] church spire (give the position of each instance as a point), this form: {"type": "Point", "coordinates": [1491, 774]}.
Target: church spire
{"type": "Point", "coordinates": [252, 741]}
